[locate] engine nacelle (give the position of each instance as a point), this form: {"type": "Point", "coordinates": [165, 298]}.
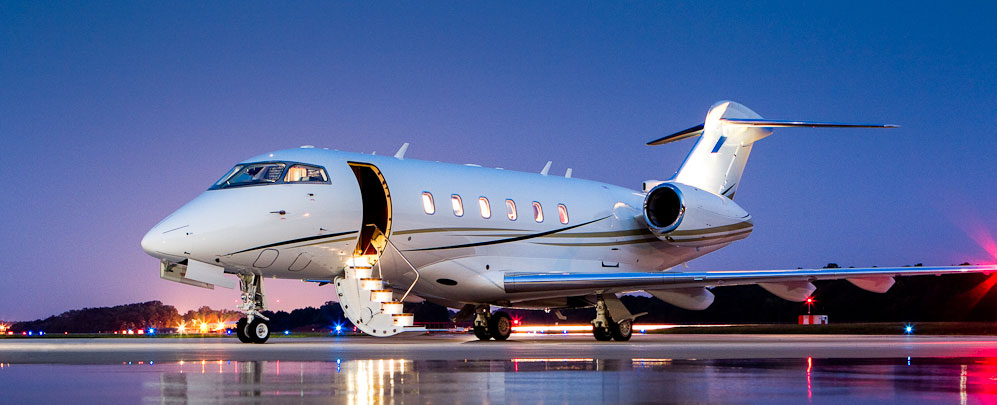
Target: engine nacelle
{"type": "Point", "coordinates": [688, 216]}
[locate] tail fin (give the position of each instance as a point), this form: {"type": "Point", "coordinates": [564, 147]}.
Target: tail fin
{"type": "Point", "coordinates": [717, 161]}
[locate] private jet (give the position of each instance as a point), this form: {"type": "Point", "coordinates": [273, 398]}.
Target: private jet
{"type": "Point", "coordinates": [385, 230]}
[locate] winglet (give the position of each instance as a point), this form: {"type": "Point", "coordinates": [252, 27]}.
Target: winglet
{"type": "Point", "coordinates": [567, 173]}
{"type": "Point", "coordinates": [400, 155]}
{"type": "Point", "coordinates": [546, 168]}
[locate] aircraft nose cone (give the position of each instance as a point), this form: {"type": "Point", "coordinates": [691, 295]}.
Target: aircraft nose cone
{"type": "Point", "coordinates": [165, 241]}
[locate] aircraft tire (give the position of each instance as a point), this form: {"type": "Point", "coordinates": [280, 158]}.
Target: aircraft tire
{"type": "Point", "coordinates": [481, 332]}
{"type": "Point", "coordinates": [500, 325]}
{"type": "Point", "coordinates": [258, 330]}
{"type": "Point", "coordinates": [622, 330]}
{"type": "Point", "coordinates": [240, 331]}
{"type": "Point", "coordinates": [602, 334]}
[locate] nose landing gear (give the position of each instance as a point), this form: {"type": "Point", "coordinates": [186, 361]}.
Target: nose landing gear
{"type": "Point", "coordinates": [254, 328]}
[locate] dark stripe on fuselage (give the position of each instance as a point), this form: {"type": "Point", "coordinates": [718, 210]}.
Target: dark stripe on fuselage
{"type": "Point", "coordinates": [507, 240]}
{"type": "Point", "coordinates": [618, 243]}
{"type": "Point", "coordinates": [428, 230]}
{"type": "Point", "coordinates": [288, 242]}
{"type": "Point", "coordinates": [703, 231]}
{"type": "Point", "coordinates": [702, 238]}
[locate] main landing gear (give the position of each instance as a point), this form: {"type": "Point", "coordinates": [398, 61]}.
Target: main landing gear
{"type": "Point", "coordinates": [487, 325]}
{"type": "Point", "coordinates": [605, 329]}
{"type": "Point", "coordinates": [254, 328]}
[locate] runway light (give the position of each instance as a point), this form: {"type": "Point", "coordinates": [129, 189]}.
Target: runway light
{"type": "Point", "coordinates": [908, 329]}
{"type": "Point", "coordinates": [339, 329]}
{"type": "Point", "coordinates": [287, 332]}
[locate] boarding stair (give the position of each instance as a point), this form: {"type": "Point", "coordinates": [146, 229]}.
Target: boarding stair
{"type": "Point", "coordinates": [369, 303]}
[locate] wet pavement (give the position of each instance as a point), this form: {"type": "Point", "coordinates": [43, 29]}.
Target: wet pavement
{"type": "Point", "coordinates": [529, 369]}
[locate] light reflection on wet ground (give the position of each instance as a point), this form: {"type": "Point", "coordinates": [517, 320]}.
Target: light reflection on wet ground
{"type": "Point", "coordinates": [526, 380]}
{"type": "Point", "coordinates": [457, 369]}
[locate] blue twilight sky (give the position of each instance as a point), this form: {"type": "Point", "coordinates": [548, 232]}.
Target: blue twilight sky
{"type": "Point", "coordinates": [113, 114]}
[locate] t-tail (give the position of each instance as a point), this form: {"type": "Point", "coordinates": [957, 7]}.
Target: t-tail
{"type": "Point", "coordinates": [717, 161]}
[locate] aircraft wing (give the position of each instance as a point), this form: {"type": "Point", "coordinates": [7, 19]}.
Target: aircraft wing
{"type": "Point", "coordinates": [871, 277]}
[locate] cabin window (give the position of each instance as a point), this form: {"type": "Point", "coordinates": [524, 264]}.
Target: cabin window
{"type": "Point", "coordinates": [427, 203]}
{"type": "Point", "coordinates": [458, 205]}
{"type": "Point", "coordinates": [486, 209]}
{"type": "Point", "coordinates": [562, 213]}
{"type": "Point", "coordinates": [303, 173]}
{"type": "Point", "coordinates": [538, 212]}
{"type": "Point", "coordinates": [510, 209]}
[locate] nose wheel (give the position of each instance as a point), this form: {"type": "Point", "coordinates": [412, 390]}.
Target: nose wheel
{"type": "Point", "coordinates": [240, 330]}
{"type": "Point", "coordinates": [255, 331]}
{"type": "Point", "coordinates": [254, 328]}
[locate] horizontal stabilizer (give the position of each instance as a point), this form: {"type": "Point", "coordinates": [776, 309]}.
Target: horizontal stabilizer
{"type": "Point", "coordinates": [763, 123]}
{"type": "Point", "coordinates": [678, 136]}
{"type": "Point", "coordinates": [751, 122]}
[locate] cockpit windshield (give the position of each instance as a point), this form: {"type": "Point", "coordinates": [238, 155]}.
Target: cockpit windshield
{"type": "Point", "coordinates": [271, 173]}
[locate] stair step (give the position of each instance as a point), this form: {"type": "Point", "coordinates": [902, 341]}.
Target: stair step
{"type": "Point", "coordinates": [403, 319]}
{"type": "Point", "coordinates": [359, 272]}
{"type": "Point", "coordinates": [371, 283]}
{"type": "Point", "coordinates": [392, 307]}
{"type": "Point", "coordinates": [381, 296]}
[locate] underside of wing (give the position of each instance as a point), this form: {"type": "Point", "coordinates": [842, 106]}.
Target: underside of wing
{"type": "Point", "coordinates": [877, 279]}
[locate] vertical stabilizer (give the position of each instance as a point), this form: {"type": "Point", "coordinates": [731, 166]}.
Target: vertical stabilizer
{"type": "Point", "coordinates": [717, 161]}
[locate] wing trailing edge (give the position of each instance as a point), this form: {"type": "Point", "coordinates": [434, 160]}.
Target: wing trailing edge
{"type": "Point", "coordinates": [532, 282]}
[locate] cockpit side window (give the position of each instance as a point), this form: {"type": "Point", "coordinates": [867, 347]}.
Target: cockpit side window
{"type": "Point", "coordinates": [304, 173]}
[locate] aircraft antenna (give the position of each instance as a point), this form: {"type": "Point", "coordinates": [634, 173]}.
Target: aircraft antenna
{"type": "Point", "coordinates": [400, 155]}
{"type": "Point", "coordinates": [546, 168]}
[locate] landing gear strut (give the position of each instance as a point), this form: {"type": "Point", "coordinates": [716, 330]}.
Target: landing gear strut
{"type": "Point", "coordinates": [605, 329]}
{"type": "Point", "coordinates": [254, 328]}
{"type": "Point", "coordinates": [481, 323]}
{"type": "Point", "coordinates": [496, 326]}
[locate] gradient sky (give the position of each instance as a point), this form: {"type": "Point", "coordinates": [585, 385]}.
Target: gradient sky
{"type": "Point", "coordinates": [112, 115]}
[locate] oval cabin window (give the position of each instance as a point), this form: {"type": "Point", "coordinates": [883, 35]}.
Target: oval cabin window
{"type": "Point", "coordinates": [510, 209]}
{"type": "Point", "coordinates": [458, 205]}
{"type": "Point", "coordinates": [538, 212]}
{"type": "Point", "coordinates": [486, 209]}
{"type": "Point", "coordinates": [562, 213]}
{"type": "Point", "coordinates": [427, 203]}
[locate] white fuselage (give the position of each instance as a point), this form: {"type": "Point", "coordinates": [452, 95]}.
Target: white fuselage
{"type": "Point", "coordinates": [308, 231]}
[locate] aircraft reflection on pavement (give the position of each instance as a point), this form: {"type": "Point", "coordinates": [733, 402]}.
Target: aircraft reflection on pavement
{"type": "Point", "coordinates": [527, 379]}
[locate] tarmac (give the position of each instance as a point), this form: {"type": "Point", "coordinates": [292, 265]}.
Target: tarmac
{"type": "Point", "coordinates": [551, 368]}
{"type": "Point", "coordinates": [460, 347]}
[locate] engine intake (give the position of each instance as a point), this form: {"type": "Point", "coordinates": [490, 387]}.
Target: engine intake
{"type": "Point", "coordinates": [684, 215]}
{"type": "Point", "coordinates": [664, 208]}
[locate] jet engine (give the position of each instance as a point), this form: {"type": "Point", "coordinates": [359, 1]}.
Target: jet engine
{"type": "Point", "coordinates": [688, 216]}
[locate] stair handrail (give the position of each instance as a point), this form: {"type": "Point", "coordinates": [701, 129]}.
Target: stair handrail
{"type": "Point", "coordinates": [388, 240]}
